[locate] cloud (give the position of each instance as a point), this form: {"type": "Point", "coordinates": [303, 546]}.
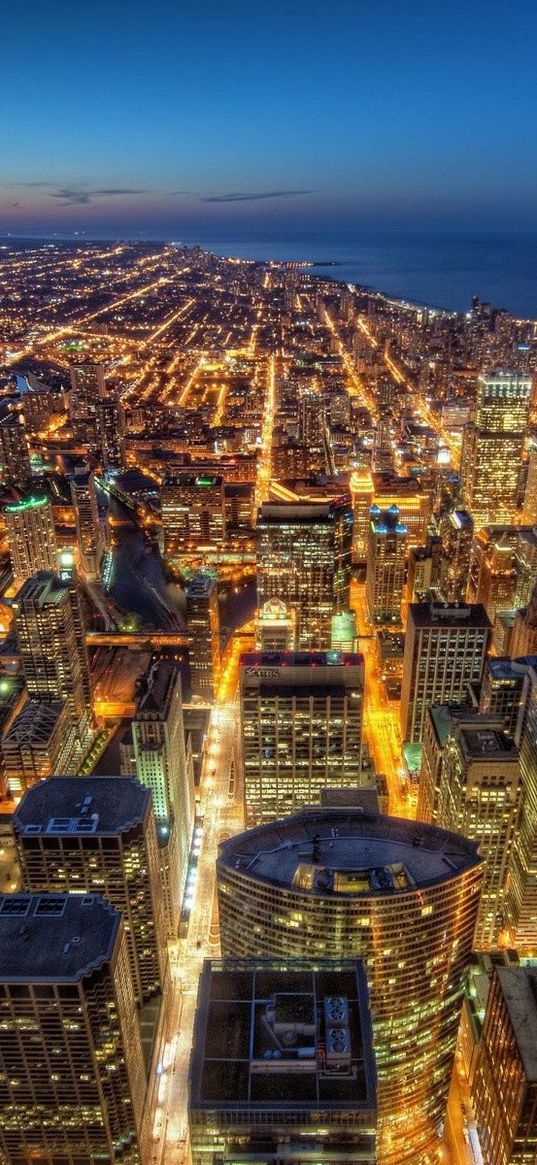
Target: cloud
{"type": "Point", "coordinates": [242, 197]}
{"type": "Point", "coordinates": [72, 195]}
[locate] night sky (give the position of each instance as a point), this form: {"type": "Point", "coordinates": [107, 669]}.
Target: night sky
{"type": "Point", "coordinates": [222, 117]}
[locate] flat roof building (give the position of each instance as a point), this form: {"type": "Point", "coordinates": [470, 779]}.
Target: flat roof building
{"type": "Point", "coordinates": [72, 1077]}
{"type": "Point", "coordinates": [282, 1055]}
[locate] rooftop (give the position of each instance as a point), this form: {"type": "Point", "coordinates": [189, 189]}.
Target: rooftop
{"type": "Point", "coordinates": [36, 724]}
{"type": "Point", "coordinates": [54, 938]}
{"type": "Point", "coordinates": [519, 988]}
{"type": "Point", "coordinates": [348, 851]}
{"type": "Point", "coordinates": [446, 614]}
{"type": "Point", "coordinates": [155, 689]}
{"type": "Point", "coordinates": [75, 806]}
{"type": "Point", "coordinates": [288, 1037]}
{"type": "Point", "coordinates": [309, 659]}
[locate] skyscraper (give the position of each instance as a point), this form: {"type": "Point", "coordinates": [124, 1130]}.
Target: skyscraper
{"type": "Point", "coordinates": [87, 388]}
{"type": "Point", "coordinates": [193, 514]}
{"type": "Point", "coordinates": [479, 795]}
{"type": "Point", "coordinates": [304, 559]}
{"type": "Point", "coordinates": [89, 534]}
{"type": "Point", "coordinates": [72, 1077]}
{"type": "Point", "coordinates": [203, 622]}
{"type": "Point", "coordinates": [31, 537]}
{"type": "Point", "coordinates": [493, 445]}
{"type": "Point", "coordinates": [401, 895]}
{"type": "Point", "coordinates": [385, 565]}
{"type": "Point", "coordinates": [361, 486]}
{"type": "Point", "coordinates": [299, 1082]}
{"type": "Point", "coordinates": [111, 426]}
{"type": "Point", "coordinates": [301, 716]}
{"type": "Point", "coordinates": [83, 834]}
{"type": "Point", "coordinates": [457, 531]}
{"type": "Point", "coordinates": [445, 650]}
{"type": "Point", "coordinates": [41, 741]}
{"type": "Point", "coordinates": [161, 764]}
{"type": "Point", "coordinates": [14, 450]}
{"type": "Point", "coordinates": [504, 1091]}
{"type": "Point", "coordinates": [54, 662]}
{"type": "Point", "coordinates": [524, 884]}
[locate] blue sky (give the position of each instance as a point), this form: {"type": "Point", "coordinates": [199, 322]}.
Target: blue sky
{"type": "Point", "coordinates": [227, 118]}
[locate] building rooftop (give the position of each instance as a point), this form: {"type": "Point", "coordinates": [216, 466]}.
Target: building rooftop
{"type": "Point", "coordinates": [348, 851]}
{"type": "Point", "coordinates": [55, 938]}
{"type": "Point", "coordinates": [155, 689]}
{"type": "Point", "coordinates": [75, 806]}
{"type": "Point", "coordinates": [448, 614]}
{"type": "Point", "coordinates": [305, 659]}
{"type": "Point", "coordinates": [36, 724]}
{"type": "Point", "coordinates": [519, 988]}
{"type": "Point", "coordinates": [283, 1037]}
{"type": "Point", "coordinates": [200, 587]}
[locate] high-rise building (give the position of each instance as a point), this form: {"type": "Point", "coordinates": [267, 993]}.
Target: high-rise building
{"type": "Point", "coordinates": [493, 445]}
{"type": "Point", "coordinates": [529, 513]}
{"type": "Point", "coordinates": [193, 514]}
{"type": "Point", "coordinates": [524, 884]}
{"type": "Point", "coordinates": [275, 627]}
{"type": "Point", "coordinates": [479, 795]}
{"type": "Point", "coordinates": [403, 896]}
{"type": "Point", "coordinates": [111, 426]}
{"type": "Point", "coordinates": [87, 388]}
{"type": "Point", "coordinates": [299, 1082]}
{"type": "Point", "coordinates": [385, 576]}
{"type": "Point", "coordinates": [411, 500]}
{"type": "Point", "coordinates": [89, 533]}
{"type": "Point", "coordinates": [492, 577]}
{"type": "Point", "coordinates": [14, 450]}
{"type": "Point", "coordinates": [504, 687]}
{"type": "Point", "coordinates": [72, 1077]}
{"type": "Point", "coordinates": [301, 717]}
{"type": "Point", "coordinates": [361, 486]}
{"type": "Point", "coordinates": [83, 834]}
{"type": "Point", "coordinates": [31, 537]}
{"type": "Point", "coordinates": [445, 650]}
{"type": "Point", "coordinates": [41, 741]}
{"type": "Point", "coordinates": [457, 531]}
{"type": "Point", "coordinates": [504, 1091]}
{"type": "Point", "coordinates": [161, 764]}
{"type": "Point", "coordinates": [304, 559]}
{"type": "Point", "coordinates": [54, 662]}
{"type": "Point", "coordinates": [203, 622]}
{"type": "Point", "coordinates": [524, 637]}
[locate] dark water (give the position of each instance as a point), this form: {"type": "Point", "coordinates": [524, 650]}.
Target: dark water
{"type": "Point", "coordinates": [140, 585]}
{"type": "Point", "coordinates": [437, 269]}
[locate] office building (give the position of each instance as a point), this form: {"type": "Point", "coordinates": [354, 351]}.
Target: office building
{"type": "Point", "coordinates": [411, 500]}
{"type": "Point", "coordinates": [504, 1090]}
{"type": "Point", "coordinates": [89, 532]}
{"type": "Point", "coordinates": [275, 627]}
{"type": "Point", "coordinates": [304, 559]}
{"type": "Point", "coordinates": [54, 661]}
{"type": "Point", "coordinates": [457, 532]}
{"type": "Point", "coordinates": [161, 764]}
{"type": "Point", "coordinates": [301, 720]}
{"type": "Point", "coordinates": [385, 576]}
{"type": "Point", "coordinates": [493, 445]}
{"type": "Point", "coordinates": [524, 884]}
{"type": "Point", "coordinates": [14, 450]}
{"type": "Point", "coordinates": [504, 687]}
{"type": "Point", "coordinates": [479, 795]}
{"type": "Point", "coordinates": [193, 514]}
{"type": "Point", "coordinates": [87, 388]}
{"type": "Point", "coordinates": [529, 512]}
{"type": "Point", "coordinates": [445, 650]}
{"type": "Point", "coordinates": [13, 696]}
{"type": "Point", "coordinates": [524, 637]}
{"type": "Point", "coordinates": [361, 487]}
{"type": "Point", "coordinates": [31, 537]}
{"type": "Point", "coordinates": [402, 896]}
{"type": "Point", "coordinates": [72, 1078]}
{"type": "Point", "coordinates": [111, 425]}
{"type": "Point", "coordinates": [203, 622]}
{"type": "Point", "coordinates": [84, 834]}
{"type": "Point", "coordinates": [41, 741]}
{"type": "Point", "coordinates": [299, 1079]}
{"type": "Point", "coordinates": [492, 578]}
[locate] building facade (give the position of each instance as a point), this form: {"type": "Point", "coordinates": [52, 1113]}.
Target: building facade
{"type": "Point", "coordinates": [31, 537]}
{"type": "Point", "coordinates": [203, 622]}
{"type": "Point", "coordinates": [301, 728]}
{"type": "Point", "coordinates": [493, 445]}
{"type": "Point", "coordinates": [386, 554]}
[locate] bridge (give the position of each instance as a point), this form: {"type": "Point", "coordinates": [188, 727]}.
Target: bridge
{"type": "Point", "coordinates": [138, 640]}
